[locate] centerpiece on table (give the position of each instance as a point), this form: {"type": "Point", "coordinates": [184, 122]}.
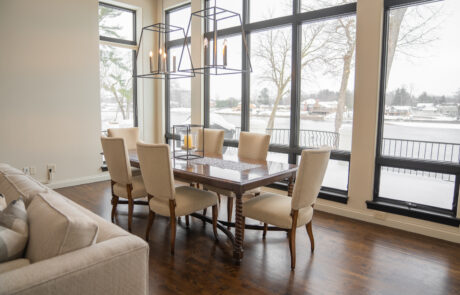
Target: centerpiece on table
{"type": "Point", "coordinates": [188, 141]}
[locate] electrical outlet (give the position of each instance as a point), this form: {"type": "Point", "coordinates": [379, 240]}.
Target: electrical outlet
{"type": "Point", "coordinates": [26, 170]}
{"type": "Point", "coordinates": [380, 215]}
{"type": "Point", "coordinates": [51, 168]}
{"type": "Point", "coordinates": [33, 170]}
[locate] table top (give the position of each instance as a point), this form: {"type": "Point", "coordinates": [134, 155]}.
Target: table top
{"type": "Point", "coordinates": [228, 171]}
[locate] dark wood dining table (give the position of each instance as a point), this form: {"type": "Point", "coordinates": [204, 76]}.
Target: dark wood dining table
{"type": "Point", "coordinates": [230, 173]}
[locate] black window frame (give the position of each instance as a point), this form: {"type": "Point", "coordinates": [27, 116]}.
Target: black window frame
{"type": "Point", "coordinates": [295, 20]}
{"type": "Point", "coordinates": [126, 42]}
{"type": "Point", "coordinates": [410, 209]}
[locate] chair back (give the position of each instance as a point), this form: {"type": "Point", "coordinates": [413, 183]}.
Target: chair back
{"type": "Point", "coordinates": [253, 146]}
{"type": "Point", "coordinates": [130, 135]}
{"type": "Point", "coordinates": [310, 176]}
{"type": "Point", "coordinates": [213, 141]}
{"type": "Point", "coordinates": [156, 170]}
{"type": "Point", "coordinates": [117, 159]}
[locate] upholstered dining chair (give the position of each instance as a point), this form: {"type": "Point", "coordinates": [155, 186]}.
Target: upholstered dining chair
{"type": "Point", "coordinates": [290, 213]}
{"type": "Point", "coordinates": [251, 147]}
{"type": "Point", "coordinates": [131, 137]}
{"type": "Point", "coordinates": [123, 184]}
{"type": "Point", "coordinates": [164, 198]}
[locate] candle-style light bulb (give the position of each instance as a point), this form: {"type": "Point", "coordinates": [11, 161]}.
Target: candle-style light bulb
{"type": "Point", "coordinates": [174, 63]}
{"type": "Point", "coordinates": [164, 62]}
{"type": "Point", "coordinates": [225, 52]}
{"type": "Point", "coordinates": [151, 61]}
{"type": "Point", "coordinates": [205, 46]}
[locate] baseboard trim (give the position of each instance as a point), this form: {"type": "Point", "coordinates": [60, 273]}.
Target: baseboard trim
{"type": "Point", "coordinates": [391, 221]}
{"type": "Point", "coordinates": [78, 181]}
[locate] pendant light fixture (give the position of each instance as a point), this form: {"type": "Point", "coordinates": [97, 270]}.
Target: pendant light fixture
{"type": "Point", "coordinates": [161, 65]}
{"type": "Point", "coordinates": [218, 63]}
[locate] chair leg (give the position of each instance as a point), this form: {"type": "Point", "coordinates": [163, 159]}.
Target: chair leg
{"type": "Point", "coordinates": [214, 221]}
{"type": "Point", "coordinates": [205, 210]}
{"type": "Point", "coordinates": [265, 230]}
{"type": "Point", "coordinates": [292, 246]}
{"type": "Point", "coordinates": [218, 196]}
{"type": "Point", "coordinates": [130, 206]}
{"type": "Point", "coordinates": [172, 219]}
{"type": "Point", "coordinates": [292, 233]}
{"type": "Point", "coordinates": [310, 235]}
{"type": "Point", "coordinates": [229, 210]}
{"type": "Point", "coordinates": [114, 207]}
{"type": "Point", "coordinates": [149, 225]}
{"type": "Point", "coordinates": [187, 220]}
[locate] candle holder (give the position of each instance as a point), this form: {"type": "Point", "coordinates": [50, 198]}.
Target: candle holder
{"type": "Point", "coordinates": [188, 141]}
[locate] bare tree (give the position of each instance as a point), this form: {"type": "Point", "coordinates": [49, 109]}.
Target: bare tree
{"type": "Point", "coordinates": [331, 44]}
{"type": "Point", "coordinates": [272, 52]}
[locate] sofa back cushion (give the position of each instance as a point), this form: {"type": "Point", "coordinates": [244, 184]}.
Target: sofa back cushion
{"type": "Point", "coordinates": [12, 186]}
{"type": "Point", "coordinates": [56, 227]}
{"type": "Point", "coordinates": [13, 231]}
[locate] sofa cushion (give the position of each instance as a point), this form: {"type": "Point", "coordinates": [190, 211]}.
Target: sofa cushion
{"type": "Point", "coordinates": [7, 169]}
{"type": "Point", "coordinates": [13, 264]}
{"type": "Point", "coordinates": [57, 227]}
{"type": "Point", "coordinates": [12, 186]}
{"type": "Point", "coordinates": [2, 202]}
{"type": "Point", "coordinates": [13, 231]}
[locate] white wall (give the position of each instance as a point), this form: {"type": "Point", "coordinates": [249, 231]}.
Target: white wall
{"type": "Point", "coordinates": [49, 87]}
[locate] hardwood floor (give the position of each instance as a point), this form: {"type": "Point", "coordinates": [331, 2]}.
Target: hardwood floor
{"type": "Point", "coordinates": [350, 257]}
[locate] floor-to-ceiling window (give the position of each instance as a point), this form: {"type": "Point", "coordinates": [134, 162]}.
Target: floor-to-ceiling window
{"type": "Point", "coordinates": [178, 98]}
{"type": "Point", "coordinates": [300, 90]}
{"type": "Point", "coordinates": [117, 31]}
{"type": "Point", "coordinates": [418, 154]}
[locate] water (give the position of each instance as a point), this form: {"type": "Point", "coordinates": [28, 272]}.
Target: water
{"type": "Point", "coordinates": [428, 131]}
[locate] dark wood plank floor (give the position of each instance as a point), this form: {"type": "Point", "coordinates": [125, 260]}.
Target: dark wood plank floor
{"type": "Point", "coordinates": [351, 257]}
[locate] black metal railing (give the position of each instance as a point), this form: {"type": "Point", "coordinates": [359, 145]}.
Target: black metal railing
{"type": "Point", "coordinates": [307, 138]}
{"type": "Point", "coordinates": [421, 150]}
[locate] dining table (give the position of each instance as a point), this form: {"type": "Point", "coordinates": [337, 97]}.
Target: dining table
{"type": "Point", "coordinates": [230, 173]}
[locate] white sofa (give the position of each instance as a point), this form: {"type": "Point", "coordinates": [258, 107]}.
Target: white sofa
{"type": "Point", "coordinates": [117, 263]}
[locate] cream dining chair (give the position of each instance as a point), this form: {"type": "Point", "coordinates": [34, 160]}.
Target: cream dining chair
{"type": "Point", "coordinates": [251, 147]}
{"type": "Point", "coordinates": [213, 146]}
{"type": "Point", "coordinates": [290, 213]}
{"type": "Point", "coordinates": [131, 137]}
{"type": "Point", "coordinates": [164, 198]}
{"type": "Point", "coordinates": [123, 184]}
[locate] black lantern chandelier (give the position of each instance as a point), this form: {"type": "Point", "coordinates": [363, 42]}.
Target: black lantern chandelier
{"type": "Point", "coordinates": [161, 65]}
{"type": "Point", "coordinates": [218, 62]}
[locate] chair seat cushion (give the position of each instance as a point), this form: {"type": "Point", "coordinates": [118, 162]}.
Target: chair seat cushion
{"type": "Point", "coordinates": [188, 200]}
{"type": "Point", "coordinates": [14, 231]}
{"type": "Point", "coordinates": [138, 189]}
{"type": "Point", "coordinates": [276, 210]}
{"type": "Point", "coordinates": [13, 264]}
{"type": "Point", "coordinates": [57, 227]}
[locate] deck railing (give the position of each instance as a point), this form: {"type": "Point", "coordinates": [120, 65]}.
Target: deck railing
{"type": "Point", "coordinates": [421, 150]}
{"type": "Point", "coordinates": [393, 147]}
{"type": "Point", "coordinates": [307, 138]}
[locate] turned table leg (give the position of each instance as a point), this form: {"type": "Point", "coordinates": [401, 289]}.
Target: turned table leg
{"type": "Point", "coordinates": [239, 224]}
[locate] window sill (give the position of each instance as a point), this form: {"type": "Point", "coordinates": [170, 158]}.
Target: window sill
{"type": "Point", "coordinates": [404, 210]}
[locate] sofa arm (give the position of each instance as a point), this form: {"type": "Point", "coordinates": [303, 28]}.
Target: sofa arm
{"type": "Point", "coordinates": [115, 266]}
